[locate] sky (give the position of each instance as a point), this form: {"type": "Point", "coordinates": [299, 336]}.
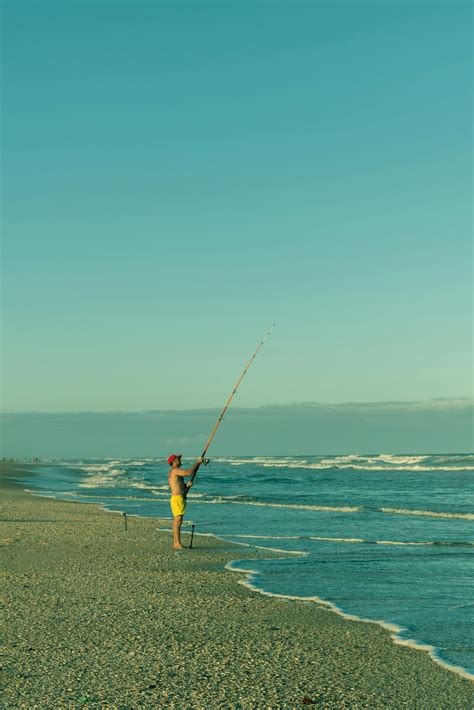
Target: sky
{"type": "Point", "coordinates": [176, 177]}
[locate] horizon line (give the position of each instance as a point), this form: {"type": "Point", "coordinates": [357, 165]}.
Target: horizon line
{"type": "Point", "coordinates": [303, 403]}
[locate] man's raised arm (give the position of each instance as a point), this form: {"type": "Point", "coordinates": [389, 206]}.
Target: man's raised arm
{"type": "Point", "coordinates": [190, 471]}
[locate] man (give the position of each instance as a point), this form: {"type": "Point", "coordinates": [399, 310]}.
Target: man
{"type": "Point", "coordinates": [179, 491]}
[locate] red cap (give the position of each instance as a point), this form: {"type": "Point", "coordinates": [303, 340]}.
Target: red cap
{"type": "Point", "coordinates": [173, 457]}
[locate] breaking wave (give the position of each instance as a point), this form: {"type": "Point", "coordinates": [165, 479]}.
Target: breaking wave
{"type": "Point", "coordinates": [161, 493]}
{"type": "Point", "coordinates": [354, 540]}
{"type": "Point", "coordinates": [428, 513]}
{"type": "Point", "coordinates": [358, 462]}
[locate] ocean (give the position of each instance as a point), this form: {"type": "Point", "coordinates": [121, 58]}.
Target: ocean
{"type": "Point", "coordinates": [380, 537]}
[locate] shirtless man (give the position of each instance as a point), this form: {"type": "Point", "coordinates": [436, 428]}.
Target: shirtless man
{"type": "Point", "coordinates": [179, 490]}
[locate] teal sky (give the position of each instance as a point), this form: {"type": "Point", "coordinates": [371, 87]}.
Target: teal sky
{"type": "Point", "coordinates": [179, 176]}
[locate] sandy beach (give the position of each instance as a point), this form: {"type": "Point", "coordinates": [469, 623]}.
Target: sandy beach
{"type": "Point", "coordinates": [99, 617]}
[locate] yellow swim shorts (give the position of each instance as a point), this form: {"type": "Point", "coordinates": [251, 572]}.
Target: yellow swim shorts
{"type": "Point", "coordinates": [178, 505]}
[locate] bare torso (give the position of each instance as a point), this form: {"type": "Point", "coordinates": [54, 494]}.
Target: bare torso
{"type": "Point", "coordinates": [176, 483]}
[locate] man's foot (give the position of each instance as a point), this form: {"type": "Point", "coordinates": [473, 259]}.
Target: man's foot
{"type": "Point", "coordinates": [178, 547]}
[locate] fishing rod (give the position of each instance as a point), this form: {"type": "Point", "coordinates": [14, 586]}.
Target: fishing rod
{"type": "Point", "coordinates": [206, 461]}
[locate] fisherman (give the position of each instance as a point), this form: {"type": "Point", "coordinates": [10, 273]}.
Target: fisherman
{"type": "Point", "coordinates": [179, 490]}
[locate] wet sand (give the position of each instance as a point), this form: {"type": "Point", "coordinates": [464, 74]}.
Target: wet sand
{"type": "Point", "coordinates": [95, 616]}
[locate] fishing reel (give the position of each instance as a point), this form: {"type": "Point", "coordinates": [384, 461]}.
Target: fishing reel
{"type": "Point", "coordinates": [206, 462]}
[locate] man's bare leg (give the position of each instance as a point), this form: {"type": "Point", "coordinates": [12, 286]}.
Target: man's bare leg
{"type": "Point", "coordinates": [177, 521]}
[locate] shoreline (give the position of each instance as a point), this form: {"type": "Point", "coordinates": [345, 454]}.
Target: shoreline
{"type": "Point", "coordinates": [338, 662]}
{"type": "Point", "coordinates": [394, 629]}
